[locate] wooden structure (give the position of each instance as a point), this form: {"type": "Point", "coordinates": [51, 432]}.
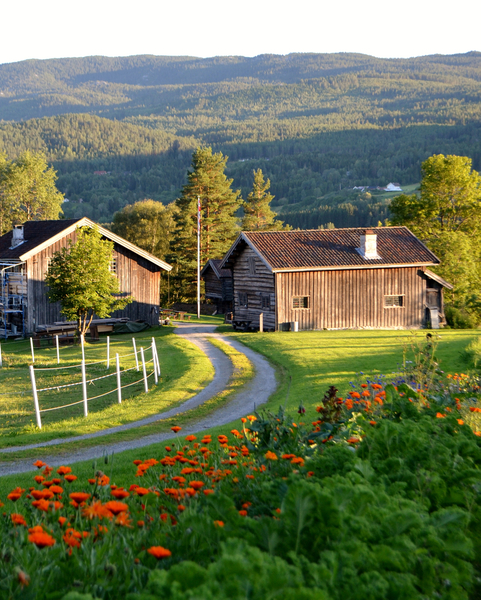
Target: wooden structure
{"type": "Point", "coordinates": [335, 279]}
{"type": "Point", "coordinates": [218, 285]}
{"type": "Point", "coordinates": [25, 254]}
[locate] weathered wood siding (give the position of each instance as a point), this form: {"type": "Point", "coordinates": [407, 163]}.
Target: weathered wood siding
{"type": "Point", "coordinates": [256, 285]}
{"type": "Point", "coordinates": [352, 298]}
{"type": "Point", "coordinates": [137, 277]}
{"type": "Point", "coordinates": [213, 286]}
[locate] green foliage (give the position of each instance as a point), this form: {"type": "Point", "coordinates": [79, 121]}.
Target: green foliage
{"type": "Point", "coordinates": [219, 225]}
{"type": "Point", "coordinates": [148, 224]}
{"type": "Point", "coordinates": [79, 278]}
{"type": "Point", "coordinates": [258, 215]}
{"type": "Point", "coordinates": [27, 190]}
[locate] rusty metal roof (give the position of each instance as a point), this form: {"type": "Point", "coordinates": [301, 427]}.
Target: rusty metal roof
{"type": "Point", "coordinates": [331, 248]}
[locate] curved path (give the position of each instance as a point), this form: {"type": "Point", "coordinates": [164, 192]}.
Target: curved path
{"type": "Point", "coordinates": [254, 393]}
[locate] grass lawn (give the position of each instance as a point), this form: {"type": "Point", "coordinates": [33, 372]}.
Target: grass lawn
{"type": "Point", "coordinates": [311, 361]}
{"type": "Point", "coordinates": [184, 370]}
{"type": "Point", "coordinates": [307, 362]}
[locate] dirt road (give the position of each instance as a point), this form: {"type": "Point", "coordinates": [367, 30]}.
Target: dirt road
{"type": "Point", "coordinates": [256, 392]}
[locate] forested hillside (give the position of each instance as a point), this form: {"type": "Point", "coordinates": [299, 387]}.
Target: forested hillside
{"type": "Point", "coordinates": [123, 129]}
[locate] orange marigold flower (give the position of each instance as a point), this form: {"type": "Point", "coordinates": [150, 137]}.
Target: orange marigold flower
{"type": "Point", "coordinates": [15, 494]}
{"type": "Point", "coordinates": [39, 464]}
{"type": "Point", "coordinates": [39, 478]}
{"type": "Point", "coordinates": [56, 489]}
{"type": "Point", "coordinates": [197, 485]}
{"type": "Point", "coordinates": [119, 493]}
{"type": "Point", "coordinates": [364, 385]}
{"type": "Point", "coordinates": [70, 478]}
{"type": "Point", "coordinates": [41, 539]}
{"type": "Point", "coordinates": [271, 455]}
{"type": "Point", "coordinates": [190, 438]}
{"type": "Point", "coordinates": [79, 497]}
{"type": "Point", "coordinates": [123, 519]}
{"type": "Point", "coordinates": [219, 523]}
{"type": "Point", "coordinates": [181, 507]}
{"type": "Point", "coordinates": [310, 473]}
{"type": "Point", "coordinates": [18, 519]}
{"type": "Point", "coordinates": [141, 491]}
{"type": "Point", "coordinates": [62, 521]}
{"type": "Point", "coordinates": [176, 428]}
{"type": "Point", "coordinates": [116, 507]}
{"type": "Point", "coordinates": [159, 552]}
{"type": "Point", "coordinates": [373, 423]}
{"type": "Point", "coordinates": [41, 504]}
{"type": "Point", "coordinates": [96, 510]}
{"type": "Point", "coordinates": [474, 409]}
{"type": "Point", "coordinates": [207, 492]}
{"type": "Point", "coordinates": [353, 440]}
{"type": "Point", "coordinates": [297, 460]}
{"type": "Point", "coordinates": [252, 418]}
{"type": "Point", "coordinates": [460, 421]}
{"type": "Point", "coordinates": [39, 494]}
{"type": "Point", "coordinates": [243, 513]}
{"type": "Point", "coordinates": [64, 470]}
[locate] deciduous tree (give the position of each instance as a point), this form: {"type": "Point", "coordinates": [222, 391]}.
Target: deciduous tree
{"type": "Point", "coordinates": [147, 224]}
{"type": "Point", "coordinates": [79, 277]}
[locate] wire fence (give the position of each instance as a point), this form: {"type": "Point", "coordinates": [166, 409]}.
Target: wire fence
{"type": "Point", "coordinates": [50, 384]}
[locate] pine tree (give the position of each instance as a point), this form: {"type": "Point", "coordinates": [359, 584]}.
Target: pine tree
{"type": "Point", "coordinates": [257, 211]}
{"type": "Point", "coordinates": [219, 225]}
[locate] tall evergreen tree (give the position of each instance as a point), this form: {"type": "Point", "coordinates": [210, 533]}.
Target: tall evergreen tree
{"type": "Point", "coordinates": [257, 211]}
{"type": "Point", "coordinates": [219, 225]}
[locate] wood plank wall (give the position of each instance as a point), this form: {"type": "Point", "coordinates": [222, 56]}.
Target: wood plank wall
{"type": "Point", "coordinates": [352, 298]}
{"type": "Point", "coordinates": [256, 285]}
{"type": "Point", "coordinates": [136, 275]}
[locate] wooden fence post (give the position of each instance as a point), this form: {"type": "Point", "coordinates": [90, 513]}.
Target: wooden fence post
{"type": "Point", "coordinates": [35, 396]}
{"type": "Point", "coordinates": [261, 322]}
{"type": "Point", "coordinates": [119, 383]}
{"type": "Point", "coordinates": [144, 370]}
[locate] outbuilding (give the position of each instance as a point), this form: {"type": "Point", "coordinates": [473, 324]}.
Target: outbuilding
{"type": "Point", "coordinates": [335, 279]}
{"type": "Point", "coordinates": [218, 285]}
{"type": "Point", "coordinates": [25, 254]}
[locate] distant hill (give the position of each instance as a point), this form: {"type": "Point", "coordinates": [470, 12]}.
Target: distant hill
{"type": "Point", "coordinates": [315, 123]}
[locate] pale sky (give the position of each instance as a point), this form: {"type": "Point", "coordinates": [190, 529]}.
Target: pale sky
{"type": "Point", "coordinates": [205, 28]}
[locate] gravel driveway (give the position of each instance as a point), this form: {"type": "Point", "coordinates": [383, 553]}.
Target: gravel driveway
{"type": "Point", "coordinates": [254, 393]}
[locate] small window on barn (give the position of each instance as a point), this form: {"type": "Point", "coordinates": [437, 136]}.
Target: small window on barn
{"type": "Point", "coordinates": [266, 301]}
{"type": "Point", "coordinates": [113, 265]}
{"type": "Point", "coordinates": [300, 302]}
{"type": "Point", "coordinates": [252, 265]}
{"type": "Point", "coordinates": [393, 301]}
{"type": "Point", "coordinates": [242, 297]}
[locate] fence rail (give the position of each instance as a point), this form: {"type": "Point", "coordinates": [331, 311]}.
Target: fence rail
{"type": "Point", "coordinates": [84, 381]}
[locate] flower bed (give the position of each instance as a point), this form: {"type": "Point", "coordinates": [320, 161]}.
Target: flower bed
{"type": "Point", "coordinates": [373, 496]}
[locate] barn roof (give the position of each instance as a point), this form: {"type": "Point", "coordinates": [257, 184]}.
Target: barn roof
{"type": "Point", "coordinates": [39, 235]}
{"type": "Point", "coordinates": [215, 265]}
{"type": "Point", "coordinates": [331, 248]}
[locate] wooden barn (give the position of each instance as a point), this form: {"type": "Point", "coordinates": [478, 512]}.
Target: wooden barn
{"type": "Point", "coordinates": [218, 285]}
{"type": "Point", "coordinates": [25, 253]}
{"type": "Point", "coordinates": [335, 279]}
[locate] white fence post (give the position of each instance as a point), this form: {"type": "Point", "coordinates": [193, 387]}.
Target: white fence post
{"type": "Point", "coordinates": [31, 350]}
{"type": "Point", "coordinates": [84, 389]}
{"type": "Point", "coordinates": [119, 383]}
{"type": "Point", "coordinates": [154, 362]}
{"type": "Point", "coordinates": [144, 370]}
{"type": "Point", "coordinates": [83, 347]}
{"type": "Point", "coordinates": [35, 396]}
{"type": "Point", "coordinates": [154, 348]}
{"type": "Point", "coordinates": [58, 350]}
{"type": "Point", "coordinates": [135, 352]}
{"type": "Point", "coordinates": [108, 352]}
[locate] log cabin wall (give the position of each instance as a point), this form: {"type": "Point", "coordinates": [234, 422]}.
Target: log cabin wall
{"type": "Point", "coordinates": [254, 282]}
{"type": "Point", "coordinates": [136, 275]}
{"type": "Point", "coordinates": [351, 298]}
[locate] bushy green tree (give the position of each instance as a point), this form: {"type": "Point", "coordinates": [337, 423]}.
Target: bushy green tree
{"type": "Point", "coordinates": [219, 224]}
{"type": "Point", "coordinates": [147, 224]}
{"type": "Point", "coordinates": [258, 215]}
{"type": "Point", "coordinates": [79, 277]}
{"type": "Point", "coordinates": [447, 217]}
{"type": "Point", "coordinates": [27, 190]}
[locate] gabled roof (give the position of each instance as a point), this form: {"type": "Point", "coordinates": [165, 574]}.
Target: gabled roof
{"type": "Point", "coordinates": [214, 264]}
{"type": "Point", "coordinates": [321, 249]}
{"type": "Point", "coordinates": [39, 235]}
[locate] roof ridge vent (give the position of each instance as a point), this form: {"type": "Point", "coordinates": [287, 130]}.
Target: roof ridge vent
{"type": "Point", "coordinates": [368, 249]}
